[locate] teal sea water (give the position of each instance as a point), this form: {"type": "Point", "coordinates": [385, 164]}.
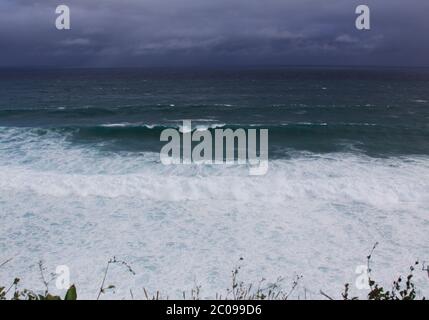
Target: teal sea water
{"type": "Point", "coordinates": [81, 180]}
{"type": "Point", "coordinates": [378, 112]}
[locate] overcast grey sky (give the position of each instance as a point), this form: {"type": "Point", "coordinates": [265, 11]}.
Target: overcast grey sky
{"type": "Point", "coordinates": [114, 33]}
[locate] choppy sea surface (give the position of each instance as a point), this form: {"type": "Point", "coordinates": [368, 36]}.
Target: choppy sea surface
{"type": "Point", "coordinates": [81, 180]}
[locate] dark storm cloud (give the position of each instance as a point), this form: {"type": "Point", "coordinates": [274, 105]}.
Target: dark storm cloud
{"type": "Point", "coordinates": [215, 32]}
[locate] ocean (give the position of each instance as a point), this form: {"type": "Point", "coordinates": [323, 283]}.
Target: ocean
{"type": "Point", "coordinates": [81, 180]}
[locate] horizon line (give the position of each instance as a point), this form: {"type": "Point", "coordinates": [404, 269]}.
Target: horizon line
{"type": "Point", "coordinates": [219, 67]}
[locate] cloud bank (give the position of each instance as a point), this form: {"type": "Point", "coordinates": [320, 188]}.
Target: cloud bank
{"type": "Point", "coordinates": [113, 33]}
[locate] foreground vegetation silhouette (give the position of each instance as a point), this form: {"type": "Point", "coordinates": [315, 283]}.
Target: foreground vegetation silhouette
{"type": "Point", "coordinates": [403, 288]}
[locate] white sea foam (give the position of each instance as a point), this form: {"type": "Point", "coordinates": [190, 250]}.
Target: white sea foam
{"type": "Point", "coordinates": [212, 126]}
{"type": "Point", "coordinates": [316, 215]}
{"type": "Point", "coordinates": [128, 124]}
{"type": "Point", "coordinates": [200, 127]}
{"type": "Point", "coordinates": [115, 125]}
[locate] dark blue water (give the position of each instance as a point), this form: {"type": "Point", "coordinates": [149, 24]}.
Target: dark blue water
{"type": "Point", "coordinates": [380, 112]}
